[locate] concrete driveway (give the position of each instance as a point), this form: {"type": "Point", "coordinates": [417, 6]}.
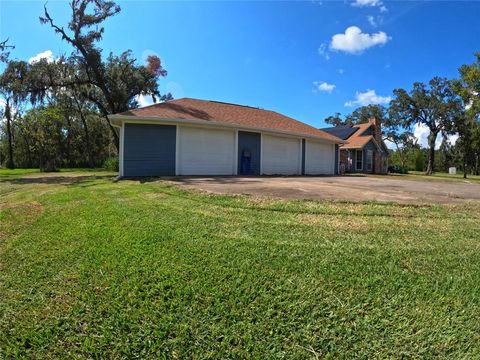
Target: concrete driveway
{"type": "Point", "coordinates": [349, 188]}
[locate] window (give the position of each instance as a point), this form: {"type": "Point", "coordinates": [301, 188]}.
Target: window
{"type": "Point", "coordinates": [359, 158]}
{"type": "Point", "coordinates": [369, 160]}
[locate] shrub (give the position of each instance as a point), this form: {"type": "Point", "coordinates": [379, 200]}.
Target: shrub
{"type": "Point", "coordinates": [111, 164]}
{"type": "Point", "coordinates": [397, 169]}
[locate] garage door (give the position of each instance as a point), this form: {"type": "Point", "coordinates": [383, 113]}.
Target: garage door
{"type": "Point", "coordinates": [204, 151]}
{"type": "Point", "coordinates": [149, 150]}
{"type": "Point", "coordinates": [319, 158]}
{"type": "Point", "coordinates": [280, 156]}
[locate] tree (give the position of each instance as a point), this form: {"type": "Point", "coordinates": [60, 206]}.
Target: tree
{"type": "Point", "coordinates": [360, 115]}
{"type": "Point", "coordinates": [468, 87]}
{"type": "Point", "coordinates": [13, 92]}
{"type": "Point", "coordinates": [435, 105]}
{"type": "Point", "coordinates": [364, 113]}
{"type": "Point", "coordinates": [4, 50]}
{"type": "Point", "coordinates": [336, 120]}
{"type": "Point", "coordinates": [45, 131]}
{"type": "Point", "coordinates": [114, 84]}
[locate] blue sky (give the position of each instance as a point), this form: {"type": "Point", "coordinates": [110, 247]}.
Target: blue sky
{"type": "Point", "coordinates": [305, 59]}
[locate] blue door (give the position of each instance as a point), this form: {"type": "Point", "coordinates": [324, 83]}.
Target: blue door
{"type": "Point", "coordinates": [248, 153]}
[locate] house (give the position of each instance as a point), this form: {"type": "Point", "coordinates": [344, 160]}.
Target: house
{"type": "Point", "coordinates": [365, 150]}
{"type": "Point", "coordinates": [201, 137]}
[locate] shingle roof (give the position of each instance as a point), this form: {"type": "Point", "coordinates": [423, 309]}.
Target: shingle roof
{"type": "Point", "coordinates": [342, 132]}
{"type": "Point", "coordinates": [362, 127]}
{"type": "Point", "coordinates": [215, 111]}
{"type": "Point", "coordinates": [357, 140]}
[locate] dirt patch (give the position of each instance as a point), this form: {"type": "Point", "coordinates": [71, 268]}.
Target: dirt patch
{"type": "Point", "coordinates": [343, 188]}
{"type": "Point", "coordinates": [27, 212]}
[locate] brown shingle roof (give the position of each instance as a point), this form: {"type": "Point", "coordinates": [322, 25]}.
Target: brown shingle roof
{"type": "Point", "coordinates": [357, 140]}
{"type": "Point", "coordinates": [214, 111]}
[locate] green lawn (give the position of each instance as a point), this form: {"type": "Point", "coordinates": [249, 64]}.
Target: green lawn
{"type": "Point", "coordinates": [96, 269]}
{"type": "Point", "coordinates": [444, 176]}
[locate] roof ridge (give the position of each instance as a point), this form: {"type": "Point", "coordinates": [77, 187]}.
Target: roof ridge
{"type": "Point", "coordinates": [233, 104]}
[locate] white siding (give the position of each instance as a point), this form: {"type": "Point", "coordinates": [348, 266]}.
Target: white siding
{"type": "Point", "coordinates": [281, 155]}
{"type": "Point", "coordinates": [319, 158]}
{"type": "Point", "coordinates": [203, 151]}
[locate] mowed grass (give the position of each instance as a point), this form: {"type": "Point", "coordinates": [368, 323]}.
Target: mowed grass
{"type": "Point", "coordinates": [441, 176]}
{"type": "Point", "coordinates": [97, 269]}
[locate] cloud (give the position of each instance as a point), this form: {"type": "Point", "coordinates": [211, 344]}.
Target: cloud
{"type": "Point", "coordinates": [144, 100]}
{"type": "Point", "coordinates": [368, 97]}
{"type": "Point", "coordinates": [421, 133]}
{"type": "Point", "coordinates": [47, 54]}
{"type": "Point", "coordinates": [371, 20]}
{"type": "Point", "coordinates": [354, 41]}
{"type": "Point", "coordinates": [341, 71]}
{"type": "Point", "coordinates": [323, 51]}
{"type": "Point", "coordinates": [390, 144]}
{"type": "Point", "coordinates": [323, 86]}
{"type": "Point", "coordinates": [370, 3]}
{"type": "Point", "coordinates": [364, 3]}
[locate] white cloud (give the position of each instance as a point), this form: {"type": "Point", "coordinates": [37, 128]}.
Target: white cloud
{"type": "Point", "coordinates": [390, 144]}
{"type": "Point", "coordinates": [370, 3]}
{"type": "Point", "coordinates": [368, 97]}
{"type": "Point", "coordinates": [363, 3]}
{"type": "Point", "coordinates": [341, 71]}
{"type": "Point", "coordinates": [453, 139]}
{"type": "Point", "coordinates": [421, 133]}
{"type": "Point", "coordinates": [323, 86]}
{"type": "Point", "coordinates": [354, 41]}
{"type": "Point", "coordinates": [47, 54]}
{"type": "Point", "coordinates": [323, 51]}
{"type": "Point", "coordinates": [371, 20]}
{"type": "Point", "coordinates": [144, 100]}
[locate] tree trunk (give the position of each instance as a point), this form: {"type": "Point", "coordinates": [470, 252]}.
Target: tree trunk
{"type": "Point", "coordinates": [431, 152]}
{"type": "Point", "coordinates": [10, 164]}
{"type": "Point", "coordinates": [115, 136]}
{"type": "Point", "coordinates": [87, 140]}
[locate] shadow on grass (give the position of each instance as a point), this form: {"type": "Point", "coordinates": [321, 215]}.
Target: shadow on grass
{"type": "Point", "coordinates": [224, 201]}
{"type": "Point", "coordinates": [55, 180]}
{"type": "Point", "coordinates": [222, 179]}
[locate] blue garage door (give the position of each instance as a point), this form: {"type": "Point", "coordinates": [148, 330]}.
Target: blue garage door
{"type": "Point", "coordinates": [149, 150]}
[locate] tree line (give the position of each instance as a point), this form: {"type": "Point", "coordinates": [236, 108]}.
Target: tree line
{"type": "Point", "coordinates": [55, 112]}
{"type": "Point", "coordinates": [446, 107]}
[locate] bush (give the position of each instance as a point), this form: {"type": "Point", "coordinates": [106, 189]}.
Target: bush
{"type": "Point", "coordinates": [397, 169]}
{"type": "Point", "coordinates": [111, 164]}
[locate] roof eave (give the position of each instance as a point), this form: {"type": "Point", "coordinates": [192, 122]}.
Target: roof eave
{"type": "Point", "coordinates": [117, 120]}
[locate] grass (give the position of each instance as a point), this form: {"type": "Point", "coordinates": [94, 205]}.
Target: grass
{"type": "Point", "coordinates": [96, 269]}
{"type": "Point", "coordinates": [444, 176]}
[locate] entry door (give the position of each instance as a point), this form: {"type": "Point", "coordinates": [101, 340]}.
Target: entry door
{"type": "Point", "coordinates": [249, 153]}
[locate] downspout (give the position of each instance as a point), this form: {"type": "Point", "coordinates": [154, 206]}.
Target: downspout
{"type": "Point", "coordinates": [119, 131]}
